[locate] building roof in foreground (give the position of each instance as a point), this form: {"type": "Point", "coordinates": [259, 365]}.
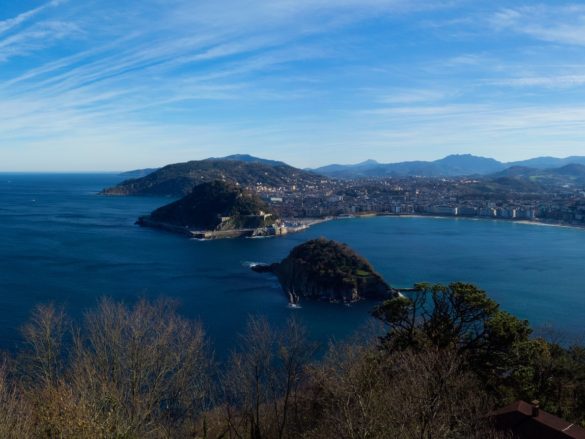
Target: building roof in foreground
{"type": "Point", "coordinates": [528, 421]}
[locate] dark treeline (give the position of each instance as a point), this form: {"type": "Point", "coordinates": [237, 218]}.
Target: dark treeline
{"type": "Point", "coordinates": [449, 357]}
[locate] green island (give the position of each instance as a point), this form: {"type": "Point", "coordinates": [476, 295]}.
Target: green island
{"type": "Point", "coordinates": [327, 270]}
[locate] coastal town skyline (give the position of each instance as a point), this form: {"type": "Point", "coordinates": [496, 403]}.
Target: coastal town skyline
{"type": "Point", "coordinates": [108, 86]}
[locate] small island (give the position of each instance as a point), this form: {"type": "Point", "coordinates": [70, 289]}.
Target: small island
{"type": "Point", "coordinates": [327, 270]}
{"type": "Point", "coordinates": [216, 210]}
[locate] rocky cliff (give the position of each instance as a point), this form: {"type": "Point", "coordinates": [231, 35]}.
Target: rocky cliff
{"type": "Point", "coordinates": [327, 270]}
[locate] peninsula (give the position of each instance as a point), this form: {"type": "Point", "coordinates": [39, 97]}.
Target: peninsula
{"type": "Point", "coordinates": [216, 210]}
{"type": "Point", "coordinates": [327, 270]}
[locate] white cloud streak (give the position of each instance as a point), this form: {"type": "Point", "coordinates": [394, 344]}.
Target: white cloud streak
{"type": "Point", "coordinates": [553, 82]}
{"type": "Point", "coordinates": [556, 24]}
{"type": "Point", "coordinates": [11, 23]}
{"type": "Point", "coordinates": [221, 75]}
{"type": "Point", "coordinates": [34, 38]}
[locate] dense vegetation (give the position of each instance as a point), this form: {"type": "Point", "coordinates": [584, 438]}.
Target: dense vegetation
{"type": "Point", "coordinates": [450, 355]}
{"type": "Point", "coordinates": [179, 179]}
{"type": "Point", "coordinates": [496, 347]}
{"type": "Point", "coordinates": [204, 207]}
{"type": "Point", "coordinates": [325, 268]}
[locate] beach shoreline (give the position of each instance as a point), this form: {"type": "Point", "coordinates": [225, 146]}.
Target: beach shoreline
{"type": "Point", "coordinates": [298, 225]}
{"type": "Point", "coordinates": [537, 222]}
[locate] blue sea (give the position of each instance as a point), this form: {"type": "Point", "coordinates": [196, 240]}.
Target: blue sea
{"type": "Point", "coordinates": [60, 242]}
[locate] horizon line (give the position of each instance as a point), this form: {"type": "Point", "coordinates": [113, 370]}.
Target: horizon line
{"type": "Point", "coordinates": [138, 168]}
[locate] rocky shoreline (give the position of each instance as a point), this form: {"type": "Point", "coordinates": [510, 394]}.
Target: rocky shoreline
{"type": "Point", "coordinates": [212, 234]}
{"type": "Point", "coordinates": [286, 228]}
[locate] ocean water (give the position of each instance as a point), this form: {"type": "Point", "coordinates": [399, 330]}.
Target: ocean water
{"type": "Point", "coordinates": [60, 242]}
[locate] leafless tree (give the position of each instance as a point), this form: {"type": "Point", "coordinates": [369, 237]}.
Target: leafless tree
{"type": "Point", "coordinates": [43, 356]}
{"type": "Point", "coordinates": [366, 393]}
{"type": "Point", "coordinates": [139, 371]}
{"type": "Point", "coordinates": [262, 385]}
{"type": "Point", "coordinates": [142, 369]}
{"type": "Point", "coordinates": [15, 412]}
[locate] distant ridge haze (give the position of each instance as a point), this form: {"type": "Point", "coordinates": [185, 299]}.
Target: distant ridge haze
{"type": "Point", "coordinates": [455, 165]}
{"type": "Point", "coordinates": [450, 166]}
{"type": "Point", "coordinates": [572, 171]}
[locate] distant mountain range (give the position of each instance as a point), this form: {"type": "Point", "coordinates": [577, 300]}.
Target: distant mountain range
{"type": "Point", "coordinates": [548, 162]}
{"type": "Point", "coordinates": [179, 179]}
{"type": "Point", "coordinates": [450, 166]}
{"type": "Point", "coordinates": [572, 173]}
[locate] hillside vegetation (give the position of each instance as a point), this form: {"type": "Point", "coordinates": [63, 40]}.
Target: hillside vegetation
{"type": "Point", "coordinates": [450, 356]}
{"type": "Point", "coordinates": [179, 179]}
{"type": "Point", "coordinates": [209, 203]}
{"type": "Point", "coordinates": [325, 269]}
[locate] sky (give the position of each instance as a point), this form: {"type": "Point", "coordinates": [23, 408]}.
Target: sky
{"type": "Point", "coordinates": [101, 85]}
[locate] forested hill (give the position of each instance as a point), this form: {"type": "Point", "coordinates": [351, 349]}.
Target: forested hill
{"type": "Point", "coordinates": [209, 202]}
{"type": "Point", "coordinates": [179, 179]}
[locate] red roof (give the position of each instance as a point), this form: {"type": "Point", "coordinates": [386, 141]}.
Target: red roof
{"type": "Point", "coordinates": [527, 421]}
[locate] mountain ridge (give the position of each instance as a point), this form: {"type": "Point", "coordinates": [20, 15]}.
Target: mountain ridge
{"type": "Point", "coordinates": [454, 165]}
{"type": "Point", "coordinates": [243, 169]}
{"type": "Point", "coordinates": [567, 174]}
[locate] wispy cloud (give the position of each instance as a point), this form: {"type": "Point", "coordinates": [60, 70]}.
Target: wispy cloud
{"type": "Point", "coordinates": [11, 23]}
{"type": "Point", "coordinates": [34, 38]}
{"type": "Point", "coordinates": [562, 81]}
{"type": "Point", "coordinates": [398, 96]}
{"type": "Point", "coordinates": [109, 83]}
{"type": "Point", "coordinates": [561, 24]}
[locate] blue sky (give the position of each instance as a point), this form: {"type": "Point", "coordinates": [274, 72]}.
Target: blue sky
{"type": "Point", "coordinates": [113, 85]}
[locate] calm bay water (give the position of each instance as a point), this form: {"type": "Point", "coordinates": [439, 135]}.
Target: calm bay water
{"type": "Point", "coordinates": [61, 243]}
